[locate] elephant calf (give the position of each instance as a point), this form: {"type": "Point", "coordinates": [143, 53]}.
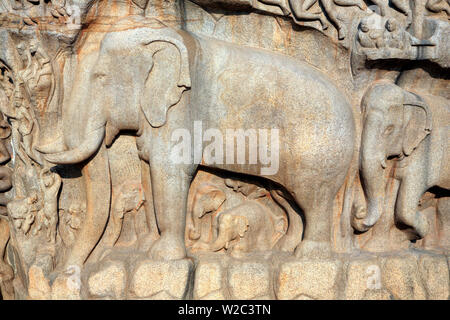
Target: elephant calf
{"type": "Point", "coordinates": [244, 228]}
{"type": "Point", "coordinates": [412, 130]}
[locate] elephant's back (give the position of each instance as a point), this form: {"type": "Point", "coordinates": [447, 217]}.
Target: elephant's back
{"type": "Point", "coordinates": [257, 81]}
{"type": "Point", "coordinates": [252, 88]}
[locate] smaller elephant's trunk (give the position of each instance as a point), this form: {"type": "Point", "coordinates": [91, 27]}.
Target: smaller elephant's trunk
{"type": "Point", "coordinates": [86, 149]}
{"type": "Point", "coordinates": [221, 242]}
{"type": "Point", "coordinates": [372, 174]}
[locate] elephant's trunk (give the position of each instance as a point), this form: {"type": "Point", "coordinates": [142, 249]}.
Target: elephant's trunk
{"type": "Point", "coordinates": [373, 162]}
{"type": "Point", "coordinates": [197, 214]}
{"type": "Point", "coordinates": [226, 233]}
{"type": "Point", "coordinates": [87, 148]}
{"type": "Point", "coordinates": [221, 241]}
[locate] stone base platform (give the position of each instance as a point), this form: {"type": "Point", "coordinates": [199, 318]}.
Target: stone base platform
{"type": "Point", "coordinates": [399, 275]}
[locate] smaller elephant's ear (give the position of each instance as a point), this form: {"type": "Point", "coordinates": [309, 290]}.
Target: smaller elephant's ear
{"type": "Point", "coordinates": [168, 78]}
{"type": "Point", "coordinates": [417, 121]}
{"type": "Point", "coordinates": [242, 224]}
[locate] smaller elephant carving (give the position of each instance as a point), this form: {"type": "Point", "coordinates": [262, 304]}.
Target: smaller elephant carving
{"type": "Point", "coordinates": [207, 200]}
{"type": "Point", "coordinates": [411, 130]}
{"type": "Point", "coordinates": [247, 227]}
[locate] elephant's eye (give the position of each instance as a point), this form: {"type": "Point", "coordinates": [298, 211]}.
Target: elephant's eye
{"type": "Point", "coordinates": [100, 76]}
{"type": "Point", "coordinates": [388, 130]}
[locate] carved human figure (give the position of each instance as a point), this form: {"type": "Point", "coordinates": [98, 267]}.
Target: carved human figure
{"type": "Point", "coordinates": [402, 5]}
{"type": "Point", "coordinates": [127, 198]}
{"type": "Point", "coordinates": [26, 72]}
{"type": "Point", "coordinates": [413, 130]}
{"type": "Point", "coordinates": [279, 3]}
{"type": "Point", "coordinates": [300, 8]}
{"type": "Point", "coordinates": [70, 222]}
{"type": "Point", "coordinates": [41, 76]}
{"type": "Point", "coordinates": [369, 37]}
{"type": "Point", "coordinates": [394, 35]}
{"type": "Point", "coordinates": [22, 126]}
{"type": "Point", "coordinates": [50, 183]}
{"type": "Point", "coordinates": [300, 13]}
{"type": "Point", "coordinates": [23, 212]}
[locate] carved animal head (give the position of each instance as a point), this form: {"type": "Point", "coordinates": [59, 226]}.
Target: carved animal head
{"type": "Point", "coordinates": [396, 119]}
{"type": "Point", "coordinates": [143, 68]}
{"type": "Point", "coordinates": [395, 123]}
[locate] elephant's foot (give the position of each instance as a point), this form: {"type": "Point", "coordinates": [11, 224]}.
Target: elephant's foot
{"type": "Point", "coordinates": [420, 226]}
{"type": "Point", "coordinates": [310, 249]}
{"type": "Point", "coordinates": [168, 247]}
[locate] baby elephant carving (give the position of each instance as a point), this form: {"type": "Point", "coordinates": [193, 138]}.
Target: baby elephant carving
{"type": "Point", "coordinates": [207, 200]}
{"type": "Point", "coordinates": [247, 227]}
{"type": "Point", "coordinates": [413, 131]}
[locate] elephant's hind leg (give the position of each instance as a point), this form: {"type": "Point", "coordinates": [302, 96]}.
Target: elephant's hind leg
{"type": "Point", "coordinates": [406, 209]}
{"type": "Point", "coordinates": [318, 209]}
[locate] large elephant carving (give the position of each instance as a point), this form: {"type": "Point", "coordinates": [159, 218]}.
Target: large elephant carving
{"type": "Point", "coordinates": [152, 79]}
{"type": "Point", "coordinates": [413, 131]}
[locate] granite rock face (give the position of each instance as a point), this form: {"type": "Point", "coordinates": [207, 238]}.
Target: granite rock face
{"type": "Point", "coordinates": [224, 149]}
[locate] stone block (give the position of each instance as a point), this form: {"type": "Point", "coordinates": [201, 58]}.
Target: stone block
{"type": "Point", "coordinates": [153, 277]}
{"type": "Point", "coordinates": [435, 275]}
{"type": "Point", "coordinates": [109, 282]}
{"type": "Point", "coordinates": [314, 279]}
{"type": "Point", "coordinates": [401, 276]}
{"type": "Point", "coordinates": [248, 280]}
{"type": "Point", "coordinates": [208, 279]}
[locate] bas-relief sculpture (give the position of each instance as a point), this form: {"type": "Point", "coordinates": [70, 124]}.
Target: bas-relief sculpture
{"type": "Point", "coordinates": [95, 206]}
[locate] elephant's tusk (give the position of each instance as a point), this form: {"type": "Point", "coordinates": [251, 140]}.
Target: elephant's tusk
{"type": "Point", "coordinates": [86, 149]}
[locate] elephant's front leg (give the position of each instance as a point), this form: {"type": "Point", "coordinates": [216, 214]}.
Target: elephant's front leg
{"type": "Point", "coordinates": [406, 209]}
{"type": "Point", "coordinates": [98, 196]}
{"type": "Point", "coordinates": [170, 186]}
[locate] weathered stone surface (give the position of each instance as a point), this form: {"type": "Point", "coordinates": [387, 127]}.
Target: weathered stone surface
{"type": "Point", "coordinates": [208, 280]}
{"type": "Point", "coordinates": [38, 285]}
{"type": "Point", "coordinates": [435, 275]}
{"type": "Point", "coordinates": [162, 279]}
{"type": "Point", "coordinates": [119, 175]}
{"type": "Point", "coordinates": [248, 280]}
{"type": "Point", "coordinates": [109, 282]}
{"type": "Point", "coordinates": [308, 279]}
{"type": "Point", "coordinates": [66, 288]}
{"type": "Point", "coordinates": [401, 277]}
{"type": "Point", "coordinates": [363, 280]}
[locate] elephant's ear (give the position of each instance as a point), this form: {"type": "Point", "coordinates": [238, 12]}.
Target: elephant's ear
{"type": "Point", "coordinates": [417, 120]}
{"type": "Point", "coordinates": [168, 78]}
